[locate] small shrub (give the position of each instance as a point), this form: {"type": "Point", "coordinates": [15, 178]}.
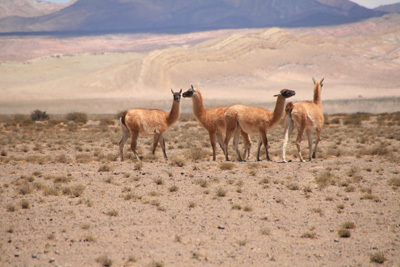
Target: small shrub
{"type": "Point", "coordinates": [293, 186]}
{"type": "Point", "coordinates": [25, 204]}
{"type": "Point", "coordinates": [177, 161]}
{"type": "Point", "coordinates": [104, 260]}
{"type": "Point", "coordinates": [178, 239]}
{"type": "Point", "coordinates": [77, 117]}
{"type": "Point", "coordinates": [51, 236]}
{"type": "Point", "coordinates": [173, 188]}
{"type": "Point", "coordinates": [247, 208]}
{"type": "Point", "coordinates": [197, 153]}
{"type": "Point", "coordinates": [311, 235]}
{"type": "Point", "coordinates": [226, 166]}
{"type": "Point", "coordinates": [348, 225]}
{"type": "Point", "coordinates": [265, 231]}
{"type": "Point", "coordinates": [192, 204]}
{"type": "Point", "coordinates": [104, 168]}
{"type": "Point", "coordinates": [157, 264]}
{"type": "Point", "coordinates": [378, 257]}
{"type": "Point", "coordinates": [236, 207]}
{"type": "Point", "coordinates": [242, 242]}
{"type": "Point", "coordinates": [159, 181]}
{"type": "Point", "coordinates": [344, 233]}
{"type": "Point", "coordinates": [89, 238]}
{"type": "Point", "coordinates": [38, 115]}
{"type": "Point", "coordinates": [10, 208]}
{"type": "Point", "coordinates": [307, 189]}
{"type": "Point", "coordinates": [221, 192]}
{"type": "Point", "coordinates": [85, 226]}
{"type": "Point", "coordinates": [318, 210]}
{"type": "Point", "coordinates": [51, 191]}
{"type": "Point", "coordinates": [138, 166]}
{"type": "Point", "coordinates": [202, 182]}
{"type": "Point", "coordinates": [395, 182]}
{"type": "Point", "coordinates": [77, 190]}
{"type": "Point", "coordinates": [324, 179]}
{"type": "Point", "coordinates": [112, 213]}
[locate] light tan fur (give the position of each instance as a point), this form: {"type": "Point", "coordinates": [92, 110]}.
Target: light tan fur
{"type": "Point", "coordinates": [212, 119]}
{"type": "Point", "coordinates": [253, 120]}
{"type": "Point", "coordinates": [304, 115]}
{"type": "Point", "coordinates": [148, 122]}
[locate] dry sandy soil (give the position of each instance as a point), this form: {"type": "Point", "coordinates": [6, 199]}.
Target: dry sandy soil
{"type": "Point", "coordinates": [67, 200]}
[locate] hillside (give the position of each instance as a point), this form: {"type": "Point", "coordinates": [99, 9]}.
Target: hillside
{"type": "Point", "coordinates": [247, 67]}
{"type": "Point", "coordinates": [28, 8]}
{"type": "Point", "coordinates": [394, 8]}
{"type": "Point", "coordinates": [171, 16]}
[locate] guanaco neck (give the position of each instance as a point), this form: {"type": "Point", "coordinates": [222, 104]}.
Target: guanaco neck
{"type": "Point", "coordinates": [317, 94]}
{"type": "Point", "coordinates": [198, 107]}
{"type": "Point", "coordinates": [173, 115]}
{"type": "Point", "coordinates": [278, 110]}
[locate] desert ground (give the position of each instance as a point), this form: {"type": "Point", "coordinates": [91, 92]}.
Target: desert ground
{"type": "Point", "coordinates": [67, 200]}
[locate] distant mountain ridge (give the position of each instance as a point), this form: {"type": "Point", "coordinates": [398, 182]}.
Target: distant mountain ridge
{"type": "Point", "coordinates": [178, 16]}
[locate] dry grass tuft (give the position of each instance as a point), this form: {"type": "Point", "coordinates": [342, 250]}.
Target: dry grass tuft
{"type": "Point", "coordinates": [220, 192]}
{"type": "Point", "coordinates": [394, 182]}
{"type": "Point", "coordinates": [202, 182]}
{"type": "Point", "coordinates": [112, 213]}
{"type": "Point", "coordinates": [325, 179]}
{"type": "Point", "coordinates": [377, 257]}
{"type": "Point", "coordinates": [310, 235]}
{"type": "Point", "coordinates": [226, 166]}
{"type": "Point", "coordinates": [345, 233]}
{"type": "Point", "coordinates": [105, 168]}
{"type": "Point", "coordinates": [348, 225]}
{"type": "Point", "coordinates": [104, 260]}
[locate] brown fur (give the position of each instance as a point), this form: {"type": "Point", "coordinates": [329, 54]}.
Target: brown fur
{"type": "Point", "coordinates": [305, 115]}
{"type": "Point", "coordinates": [253, 120]}
{"type": "Point", "coordinates": [147, 122]}
{"type": "Point", "coordinates": [212, 119]}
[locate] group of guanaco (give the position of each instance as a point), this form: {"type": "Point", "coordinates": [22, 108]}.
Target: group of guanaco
{"type": "Point", "coordinates": [230, 121]}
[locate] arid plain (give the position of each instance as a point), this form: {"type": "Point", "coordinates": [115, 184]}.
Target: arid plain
{"type": "Point", "coordinates": [67, 200]}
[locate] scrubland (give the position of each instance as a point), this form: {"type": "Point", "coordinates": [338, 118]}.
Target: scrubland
{"type": "Point", "coordinates": [67, 200]}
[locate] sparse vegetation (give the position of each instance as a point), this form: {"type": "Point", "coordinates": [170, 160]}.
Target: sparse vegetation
{"type": "Point", "coordinates": [226, 166]}
{"type": "Point", "coordinates": [378, 257]}
{"type": "Point", "coordinates": [104, 260]}
{"type": "Point", "coordinates": [69, 182]}
{"type": "Point", "coordinates": [344, 233]}
{"type": "Point", "coordinates": [77, 117]}
{"type": "Point", "coordinates": [310, 235]}
{"type": "Point", "coordinates": [112, 213]}
{"type": "Point", "coordinates": [38, 115]}
{"type": "Point", "coordinates": [220, 192]}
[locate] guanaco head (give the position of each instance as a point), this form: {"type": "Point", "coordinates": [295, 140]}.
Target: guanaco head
{"type": "Point", "coordinates": [177, 95]}
{"type": "Point", "coordinates": [286, 93]}
{"type": "Point", "coordinates": [320, 83]}
{"type": "Point", "coordinates": [189, 92]}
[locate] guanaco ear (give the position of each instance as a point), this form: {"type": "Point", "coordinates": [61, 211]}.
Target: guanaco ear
{"type": "Point", "coordinates": [313, 80]}
{"type": "Point", "coordinates": [321, 81]}
{"type": "Point", "coordinates": [180, 92]}
{"type": "Point", "coordinates": [172, 91]}
{"type": "Point", "coordinates": [277, 95]}
{"type": "Point", "coordinates": [192, 87]}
